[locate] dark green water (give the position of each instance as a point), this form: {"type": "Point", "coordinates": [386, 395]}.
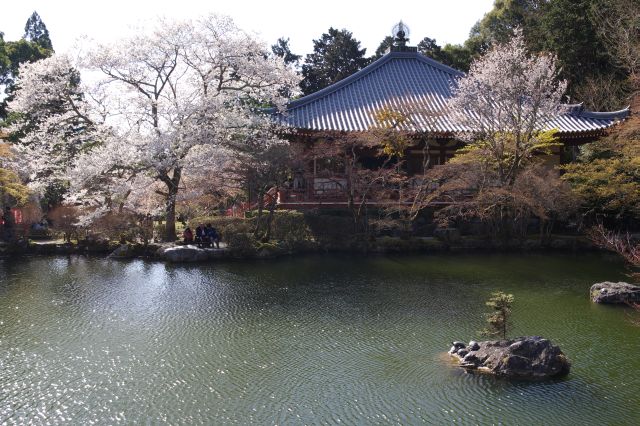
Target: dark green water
{"type": "Point", "coordinates": [319, 340]}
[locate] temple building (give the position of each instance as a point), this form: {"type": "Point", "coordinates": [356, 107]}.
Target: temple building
{"type": "Point", "coordinates": [401, 77]}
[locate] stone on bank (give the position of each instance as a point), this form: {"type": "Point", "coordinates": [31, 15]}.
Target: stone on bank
{"type": "Point", "coordinates": [189, 253]}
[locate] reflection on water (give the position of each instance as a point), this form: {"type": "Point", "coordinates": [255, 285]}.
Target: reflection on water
{"type": "Point", "coordinates": [318, 339]}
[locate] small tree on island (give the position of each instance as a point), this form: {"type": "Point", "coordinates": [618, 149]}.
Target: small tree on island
{"type": "Point", "coordinates": [498, 319]}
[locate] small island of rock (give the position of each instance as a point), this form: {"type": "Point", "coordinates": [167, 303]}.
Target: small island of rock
{"type": "Point", "coordinates": [530, 357]}
{"type": "Point", "coordinates": [621, 293]}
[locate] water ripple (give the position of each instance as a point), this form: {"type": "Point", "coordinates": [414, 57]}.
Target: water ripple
{"type": "Point", "coordinates": [307, 341]}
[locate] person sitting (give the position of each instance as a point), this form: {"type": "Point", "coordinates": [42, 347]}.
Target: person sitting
{"type": "Point", "coordinates": [188, 236]}
{"type": "Point", "coordinates": [199, 235]}
{"type": "Point", "coordinates": [212, 235]}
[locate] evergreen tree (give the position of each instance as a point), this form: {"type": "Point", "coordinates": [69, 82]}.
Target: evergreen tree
{"type": "Point", "coordinates": [336, 55]}
{"type": "Point", "coordinates": [498, 319]}
{"type": "Point", "coordinates": [282, 49]}
{"type": "Point", "coordinates": [457, 56]}
{"type": "Point", "coordinates": [382, 49]}
{"type": "Point", "coordinates": [497, 25]}
{"type": "Point", "coordinates": [429, 47]}
{"type": "Point", "coordinates": [567, 28]}
{"type": "Point", "coordinates": [5, 63]}
{"type": "Point", "coordinates": [36, 31]}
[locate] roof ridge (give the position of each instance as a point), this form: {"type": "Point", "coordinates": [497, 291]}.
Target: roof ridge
{"type": "Point", "coordinates": [368, 70]}
{"type": "Point", "coordinates": [398, 77]}
{"type": "Point", "coordinates": [620, 114]}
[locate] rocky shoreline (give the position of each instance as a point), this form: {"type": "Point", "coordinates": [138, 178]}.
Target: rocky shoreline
{"type": "Point", "coordinates": [176, 253]}
{"type": "Point", "coordinates": [382, 245]}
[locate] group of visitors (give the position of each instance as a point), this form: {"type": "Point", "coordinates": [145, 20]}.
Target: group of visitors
{"type": "Point", "coordinates": [205, 236]}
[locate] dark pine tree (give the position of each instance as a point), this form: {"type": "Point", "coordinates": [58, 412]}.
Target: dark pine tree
{"type": "Point", "coordinates": [282, 49]}
{"type": "Point", "coordinates": [336, 55]}
{"type": "Point", "coordinates": [384, 46]}
{"type": "Point", "coordinates": [428, 47]}
{"type": "Point", "coordinates": [36, 31]}
{"type": "Point", "coordinates": [5, 62]}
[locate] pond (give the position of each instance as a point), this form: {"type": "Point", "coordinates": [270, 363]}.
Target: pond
{"type": "Point", "coordinates": [312, 340]}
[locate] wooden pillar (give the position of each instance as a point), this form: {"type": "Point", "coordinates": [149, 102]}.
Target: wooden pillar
{"type": "Point", "coordinates": [443, 151]}
{"type": "Point", "coordinates": [311, 192]}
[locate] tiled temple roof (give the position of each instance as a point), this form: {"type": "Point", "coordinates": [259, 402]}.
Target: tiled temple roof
{"type": "Point", "coordinates": [409, 78]}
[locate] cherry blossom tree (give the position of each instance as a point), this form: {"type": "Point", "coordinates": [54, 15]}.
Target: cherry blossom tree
{"type": "Point", "coordinates": [164, 105]}
{"type": "Point", "coordinates": [506, 101]}
{"type": "Point", "coordinates": [191, 85]}
{"type": "Point", "coordinates": [55, 122]}
{"type": "Point", "coordinates": [63, 141]}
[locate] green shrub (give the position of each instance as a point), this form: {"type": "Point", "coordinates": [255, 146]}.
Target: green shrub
{"type": "Point", "coordinates": [242, 244]}
{"type": "Point", "coordinates": [124, 226]}
{"type": "Point", "coordinates": [64, 220]}
{"type": "Point", "coordinates": [159, 230]}
{"type": "Point", "coordinates": [329, 228]}
{"type": "Point", "coordinates": [290, 227]}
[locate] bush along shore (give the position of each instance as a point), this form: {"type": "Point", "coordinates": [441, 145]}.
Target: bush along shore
{"type": "Point", "coordinates": [291, 233]}
{"type": "Point", "coordinates": [246, 247]}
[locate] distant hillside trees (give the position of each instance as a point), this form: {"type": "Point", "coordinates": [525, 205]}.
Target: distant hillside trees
{"type": "Point", "coordinates": [570, 29]}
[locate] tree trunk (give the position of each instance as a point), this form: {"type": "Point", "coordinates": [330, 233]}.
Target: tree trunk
{"type": "Point", "coordinates": [170, 213]}
{"type": "Point", "coordinates": [259, 218]}
{"type": "Point", "coordinates": [170, 207]}
{"type": "Point", "coordinates": [121, 204]}
{"type": "Point", "coordinates": [272, 208]}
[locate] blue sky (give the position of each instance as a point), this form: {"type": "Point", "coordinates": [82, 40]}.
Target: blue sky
{"type": "Point", "coordinates": [370, 21]}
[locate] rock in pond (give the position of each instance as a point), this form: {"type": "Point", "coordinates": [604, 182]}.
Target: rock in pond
{"type": "Point", "coordinates": [530, 357]}
{"type": "Point", "coordinates": [608, 292]}
{"type": "Point", "coordinates": [124, 251]}
{"type": "Point", "coordinates": [456, 346]}
{"type": "Point", "coordinates": [188, 253]}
